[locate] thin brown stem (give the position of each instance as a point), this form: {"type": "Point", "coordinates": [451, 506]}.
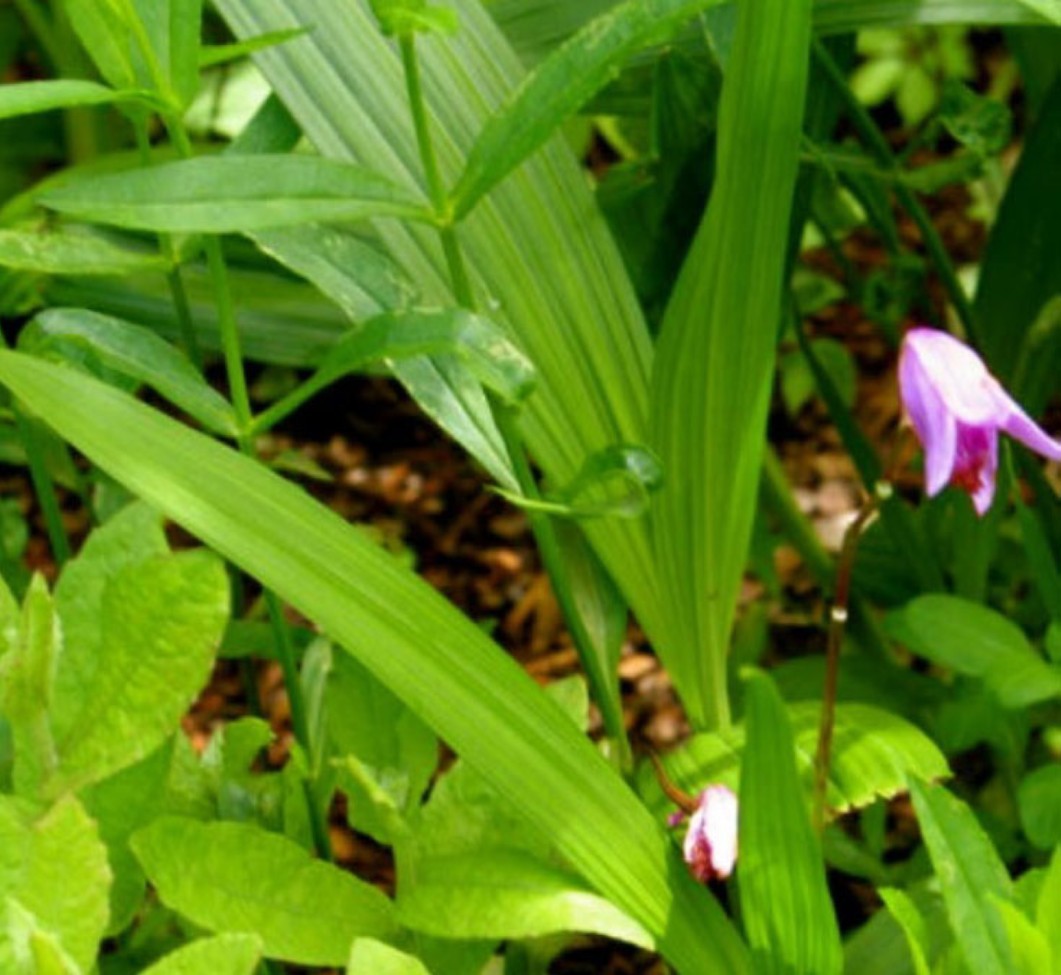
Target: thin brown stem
{"type": "Point", "coordinates": [685, 802]}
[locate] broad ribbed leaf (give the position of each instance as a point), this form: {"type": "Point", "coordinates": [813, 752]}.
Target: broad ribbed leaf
{"type": "Point", "coordinates": [230, 194]}
{"type": "Point", "coordinates": [714, 365]}
{"type": "Point", "coordinates": [970, 874]}
{"type": "Point", "coordinates": [541, 258]}
{"type": "Point", "coordinates": [785, 902]}
{"type": "Point", "coordinates": [438, 661]}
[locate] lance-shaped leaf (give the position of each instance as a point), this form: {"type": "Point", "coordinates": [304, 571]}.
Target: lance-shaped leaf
{"type": "Point", "coordinates": [29, 97]}
{"type": "Point", "coordinates": [132, 351]}
{"type": "Point", "coordinates": [438, 661]}
{"type": "Point", "coordinates": [230, 194]}
{"type": "Point", "coordinates": [714, 363]}
{"type": "Point", "coordinates": [172, 29]}
{"type": "Point", "coordinates": [69, 251]}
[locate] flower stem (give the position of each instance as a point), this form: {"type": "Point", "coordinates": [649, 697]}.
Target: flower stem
{"type": "Point", "coordinates": [837, 623]}
{"type": "Point", "coordinates": [504, 417]}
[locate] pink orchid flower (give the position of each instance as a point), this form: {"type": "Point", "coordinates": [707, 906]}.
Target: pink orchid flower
{"type": "Point", "coordinates": [710, 846]}
{"type": "Point", "coordinates": [956, 408]}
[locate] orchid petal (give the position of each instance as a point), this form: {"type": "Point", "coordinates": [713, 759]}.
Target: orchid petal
{"type": "Point", "coordinates": [935, 425]}
{"type": "Point", "coordinates": [1022, 427]}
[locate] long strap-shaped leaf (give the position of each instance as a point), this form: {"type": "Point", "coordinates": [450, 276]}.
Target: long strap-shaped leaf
{"type": "Point", "coordinates": [429, 654]}
{"type": "Point", "coordinates": [715, 358]}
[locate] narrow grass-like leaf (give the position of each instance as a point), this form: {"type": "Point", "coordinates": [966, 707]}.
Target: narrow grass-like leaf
{"type": "Point", "coordinates": [104, 33]}
{"type": "Point", "coordinates": [29, 97]}
{"type": "Point", "coordinates": [969, 873]}
{"type": "Point", "coordinates": [714, 366]}
{"type": "Point", "coordinates": [560, 85]}
{"type": "Point", "coordinates": [785, 904]}
{"type": "Point", "coordinates": [231, 194]}
{"type": "Point", "coordinates": [214, 54]}
{"type": "Point", "coordinates": [904, 909]}
{"type": "Point", "coordinates": [236, 877]}
{"type": "Point", "coordinates": [438, 661]}
{"type": "Point", "coordinates": [227, 954]}
{"type": "Point", "coordinates": [172, 28]}
{"type": "Point", "coordinates": [135, 352]}
{"type": "Point", "coordinates": [72, 252]}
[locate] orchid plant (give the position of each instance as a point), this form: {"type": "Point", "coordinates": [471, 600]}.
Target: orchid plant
{"type": "Point", "coordinates": [406, 196]}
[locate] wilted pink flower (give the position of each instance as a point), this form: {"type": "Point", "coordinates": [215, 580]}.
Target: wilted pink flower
{"type": "Point", "coordinates": [710, 846]}
{"type": "Point", "coordinates": [957, 408]}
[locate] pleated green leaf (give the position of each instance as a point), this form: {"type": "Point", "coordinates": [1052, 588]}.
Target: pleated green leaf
{"type": "Point", "coordinates": [785, 904]}
{"type": "Point", "coordinates": [970, 875]}
{"type": "Point", "coordinates": [714, 364]}
{"type": "Point", "coordinates": [542, 261]}
{"type": "Point", "coordinates": [438, 661]}
{"type": "Point", "coordinates": [230, 194]}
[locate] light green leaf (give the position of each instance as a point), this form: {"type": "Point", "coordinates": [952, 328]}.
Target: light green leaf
{"type": "Point", "coordinates": [227, 954]}
{"type": "Point", "coordinates": [903, 908]}
{"type": "Point", "coordinates": [978, 642]}
{"type": "Point", "coordinates": [1048, 909]}
{"type": "Point", "coordinates": [403, 17]}
{"type": "Point", "coordinates": [172, 28]}
{"type": "Point", "coordinates": [135, 352]}
{"type": "Point", "coordinates": [874, 754]}
{"type": "Point", "coordinates": [232, 194]}
{"type": "Point", "coordinates": [1029, 948]}
{"type": "Point", "coordinates": [69, 251]}
{"type": "Point", "coordinates": [440, 663]}
{"type": "Point", "coordinates": [785, 904]}
{"type": "Point", "coordinates": [55, 867]}
{"type": "Point", "coordinates": [29, 97]}
{"type": "Point", "coordinates": [368, 955]}
{"type": "Point", "coordinates": [714, 365]}
{"type": "Point", "coordinates": [122, 804]}
{"type": "Point", "coordinates": [969, 873]}
{"type": "Point", "coordinates": [142, 632]}
{"type": "Point", "coordinates": [104, 33]}
{"type": "Point", "coordinates": [28, 949]}
{"type": "Point", "coordinates": [503, 894]}
{"type": "Point", "coordinates": [232, 877]}
{"type": "Point", "coordinates": [211, 55]}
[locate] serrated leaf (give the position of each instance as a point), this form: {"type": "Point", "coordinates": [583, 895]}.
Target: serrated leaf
{"type": "Point", "coordinates": [233, 194]}
{"type": "Point", "coordinates": [55, 867]}
{"type": "Point", "coordinates": [970, 872]}
{"type": "Point", "coordinates": [132, 351]}
{"type": "Point", "coordinates": [976, 641]}
{"type": "Point", "coordinates": [874, 753]}
{"type": "Point", "coordinates": [227, 954]}
{"type": "Point", "coordinates": [785, 905]}
{"type": "Point", "coordinates": [232, 877]}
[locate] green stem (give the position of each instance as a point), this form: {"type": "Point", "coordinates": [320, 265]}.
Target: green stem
{"type": "Point", "coordinates": [44, 487]}
{"type": "Point", "coordinates": [540, 523]}
{"type": "Point", "coordinates": [173, 277]}
{"type": "Point", "coordinates": [878, 144]}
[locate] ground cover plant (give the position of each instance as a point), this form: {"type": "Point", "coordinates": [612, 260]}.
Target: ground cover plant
{"type": "Point", "coordinates": [196, 254]}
